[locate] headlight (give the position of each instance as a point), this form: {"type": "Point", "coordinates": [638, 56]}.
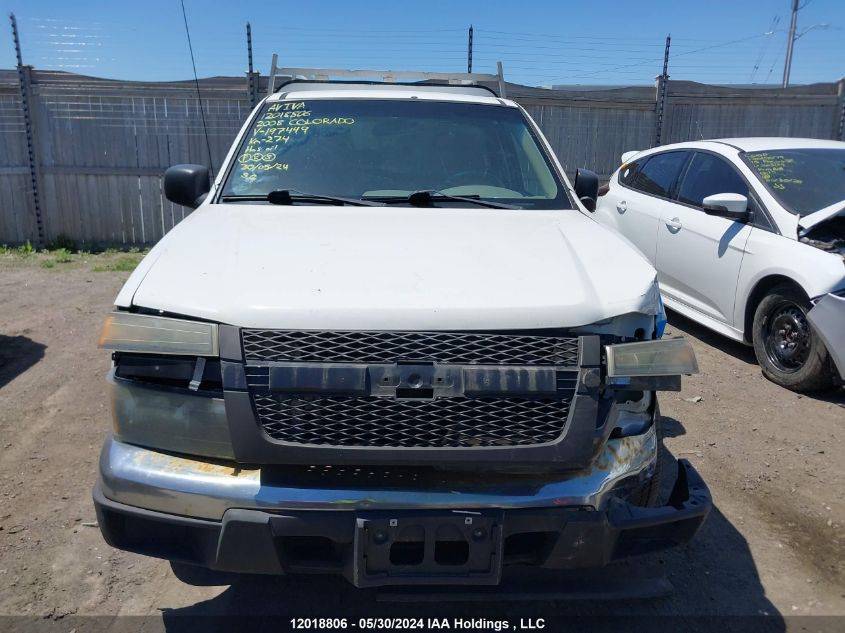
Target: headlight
{"type": "Point", "coordinates": [175, 420]}
{"type": "Point", "coordinates": [166, 391]}
{"type": "Point", "coordinates": [145, 334]}
{"type": "Point", "coordinates": [666, 357]}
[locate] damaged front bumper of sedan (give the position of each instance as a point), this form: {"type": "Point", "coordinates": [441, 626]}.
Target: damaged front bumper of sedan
{"type": "Point", "coordinates": [366, 523]}
{"type": "Point", "coordinates": [828, 319]}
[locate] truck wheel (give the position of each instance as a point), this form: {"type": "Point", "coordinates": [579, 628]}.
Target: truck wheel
{"type": "Point", "coordinates": [790, 353]}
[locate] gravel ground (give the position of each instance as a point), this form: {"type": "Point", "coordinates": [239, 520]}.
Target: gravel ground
{"type": "Point", "coordinates": [773, 459]}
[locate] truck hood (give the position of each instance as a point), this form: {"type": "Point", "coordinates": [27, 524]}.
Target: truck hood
{"type": "Point", "coordinates": [317, 267]}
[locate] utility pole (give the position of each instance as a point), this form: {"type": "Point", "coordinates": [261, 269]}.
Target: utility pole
{"type": "Point", "coordinates": [469, 51]}
{"type": "Point", "coordinates": [25, 84]}
{"type": "Point", "coordinates": [662, 83]}
{"type": "Point", "coordinates": [790, 43]}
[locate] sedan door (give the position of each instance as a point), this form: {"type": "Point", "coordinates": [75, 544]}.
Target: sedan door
{"type": "Point", "coordinates": [635, 206]}
{"type": "Point", "coordinates": [699, 255]}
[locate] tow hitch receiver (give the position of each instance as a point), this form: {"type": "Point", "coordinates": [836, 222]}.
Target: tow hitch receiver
{"type": "Point", "coordinates": [420, 548]}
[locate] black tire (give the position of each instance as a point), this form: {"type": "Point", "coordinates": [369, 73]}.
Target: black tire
{"type": "Point", "coordinates": [790, 353]}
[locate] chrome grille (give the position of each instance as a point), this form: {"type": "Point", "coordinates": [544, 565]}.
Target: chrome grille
{"type": "Point", "coordinates": [386, 422]}
{"type": "Point", "coordinates": [390, 347]}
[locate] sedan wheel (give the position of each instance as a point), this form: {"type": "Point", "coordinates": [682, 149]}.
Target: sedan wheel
{"type": "Point", "coordinates": [787, 337]}
{"type": "Point", "coordinates": [790, 353]}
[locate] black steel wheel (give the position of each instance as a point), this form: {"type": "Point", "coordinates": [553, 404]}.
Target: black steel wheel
{"type": "Point", "coordinates": [790, 353]}
{"type": "Point", "coordinates": [787, 336]}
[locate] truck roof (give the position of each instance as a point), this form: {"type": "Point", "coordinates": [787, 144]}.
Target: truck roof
{"type": "Point", "coordinates": [335, 83]}
{"type": "Point", "coordinates": [298, 90]}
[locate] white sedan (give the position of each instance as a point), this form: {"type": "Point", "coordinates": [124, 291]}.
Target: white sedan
{"type": "Point", "coordinates": [748, 239]}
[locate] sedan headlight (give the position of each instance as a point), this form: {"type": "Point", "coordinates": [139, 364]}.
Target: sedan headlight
{"type": "Point", "coordinates": [146, 334]}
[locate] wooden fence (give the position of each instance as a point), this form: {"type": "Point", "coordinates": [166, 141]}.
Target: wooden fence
{"type": "Point", "coordinates": [91, 168]}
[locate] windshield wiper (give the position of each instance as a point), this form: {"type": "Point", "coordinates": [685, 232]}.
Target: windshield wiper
{"type": "Point", "coordinates": [292, 196]}
{"type": "Point", "coordinates": [427, 197]}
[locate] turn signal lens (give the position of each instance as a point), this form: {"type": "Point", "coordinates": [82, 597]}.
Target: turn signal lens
{"type": "Point", "coordinates": [666, 357]}
{"type": "Point", "coordinates": [145, 334]}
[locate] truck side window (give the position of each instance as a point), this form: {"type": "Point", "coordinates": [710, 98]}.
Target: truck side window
{"type": "Point", "coordinates": [658, 176]}
{"type": "Point", "coordinates": [708, 175]}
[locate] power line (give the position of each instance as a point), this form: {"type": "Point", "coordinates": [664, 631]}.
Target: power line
{"type": "Point", "coordinates": [515, 34]}
{"type": "Point", "coordinates": [764, 49]}
{"type": "Point", "coordinates": [199, 96]}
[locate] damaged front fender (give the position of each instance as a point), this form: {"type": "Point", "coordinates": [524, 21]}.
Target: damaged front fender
{"type": "Point", "coordinates": [828, 320]}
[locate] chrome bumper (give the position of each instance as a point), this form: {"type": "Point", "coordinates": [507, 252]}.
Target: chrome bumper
{"type": "Point", "coordinates": [165, 483]}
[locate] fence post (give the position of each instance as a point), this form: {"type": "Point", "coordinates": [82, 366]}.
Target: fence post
{"type": "Point", "coordinates": [251, 76]}
{"type": "Point", "coordinates": [25, 85]}
{"type": "Point", "coordinates": [662, 82]}
{"type": "Point", "coordinates": [469, 50]}
{"type": "Point", "coordinates": [840, 133]}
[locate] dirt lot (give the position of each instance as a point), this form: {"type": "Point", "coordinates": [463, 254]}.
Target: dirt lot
{"type": "Point", "coordinates": [774, 461]}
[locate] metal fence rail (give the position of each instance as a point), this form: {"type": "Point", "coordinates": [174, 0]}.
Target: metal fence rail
{"type": "Point", "coordinates": [101, 146]}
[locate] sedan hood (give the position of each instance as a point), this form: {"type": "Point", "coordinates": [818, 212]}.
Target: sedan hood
{"type": "Point", "coordinates": [822, 215]}
{"type": "Point", "coordinates": [317, 267]}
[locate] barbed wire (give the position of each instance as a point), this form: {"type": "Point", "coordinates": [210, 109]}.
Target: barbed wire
{"type": "Point", "coordinates": [101, 48]}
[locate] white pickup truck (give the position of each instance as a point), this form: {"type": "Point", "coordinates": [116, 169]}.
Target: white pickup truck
{"type": "Point", "coordinates": [390, 343]}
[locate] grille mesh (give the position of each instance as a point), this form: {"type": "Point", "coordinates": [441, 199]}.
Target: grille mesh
{"type": "Point", "coordinates": [385, 422]}
{"type": "Point", "coordinates": [389, 347]}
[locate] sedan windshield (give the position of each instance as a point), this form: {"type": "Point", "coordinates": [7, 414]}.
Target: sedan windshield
{"type": "Point", "coordinates": [803, 180]}
{"type": "Point", "coordinates": [388, 149]}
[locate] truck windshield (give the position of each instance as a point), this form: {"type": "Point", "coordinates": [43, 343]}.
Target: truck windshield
{"type": "Point", "coordinates": [383, 149]}
{"type": "Point", "coordinates": [803, 180]}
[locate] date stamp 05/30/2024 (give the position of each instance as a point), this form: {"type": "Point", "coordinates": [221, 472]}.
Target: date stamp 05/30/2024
{"type": "Point", "coordinates": [417, 624]}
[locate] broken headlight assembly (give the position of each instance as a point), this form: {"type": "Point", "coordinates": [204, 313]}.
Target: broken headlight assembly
{"type": "Point", "coordinates": [650, 365]}
{"type": "Point", "coordinates": [635, 370]}
{"type": "Point", "coordinates": [166, 387]}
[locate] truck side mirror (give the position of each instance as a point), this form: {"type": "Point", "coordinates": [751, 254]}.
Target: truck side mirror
{"type": "Point", "coordinates": [187, 184]}
{"type": "Point", "coordinates": [587, 188]}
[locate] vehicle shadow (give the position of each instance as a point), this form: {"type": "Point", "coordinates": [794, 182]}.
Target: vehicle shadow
{"type": "Point", "coordinates": [17, 354]}
{"type": "Point", "coordinates": [730, 347]}
{"type": "Point", "coordinates": [679, 324]}
{"type": "Point", "coordinates": [713, 576]}
{"type": "Point", "coordinates": [670, 427]}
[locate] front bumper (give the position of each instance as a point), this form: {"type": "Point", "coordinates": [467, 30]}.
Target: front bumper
{"type": "Point", "coordinates": [271, 522]}
{"type": "Point", "coordinates": [828, 319]}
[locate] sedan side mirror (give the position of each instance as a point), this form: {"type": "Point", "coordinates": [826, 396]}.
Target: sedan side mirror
{"type": "Point", "coordinates": [732, 206]}
{"type": "Point", "coordinates": [587, 188]}
{"type": "Point", "coordinates": [187, 184]}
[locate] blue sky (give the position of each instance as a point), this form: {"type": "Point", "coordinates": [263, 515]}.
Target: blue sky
{"type": "Point", "coordinates": [539, 42]}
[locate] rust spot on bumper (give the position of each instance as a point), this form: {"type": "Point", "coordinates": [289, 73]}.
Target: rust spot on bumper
{"type": "Point", "coordinates": [163, 462]}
